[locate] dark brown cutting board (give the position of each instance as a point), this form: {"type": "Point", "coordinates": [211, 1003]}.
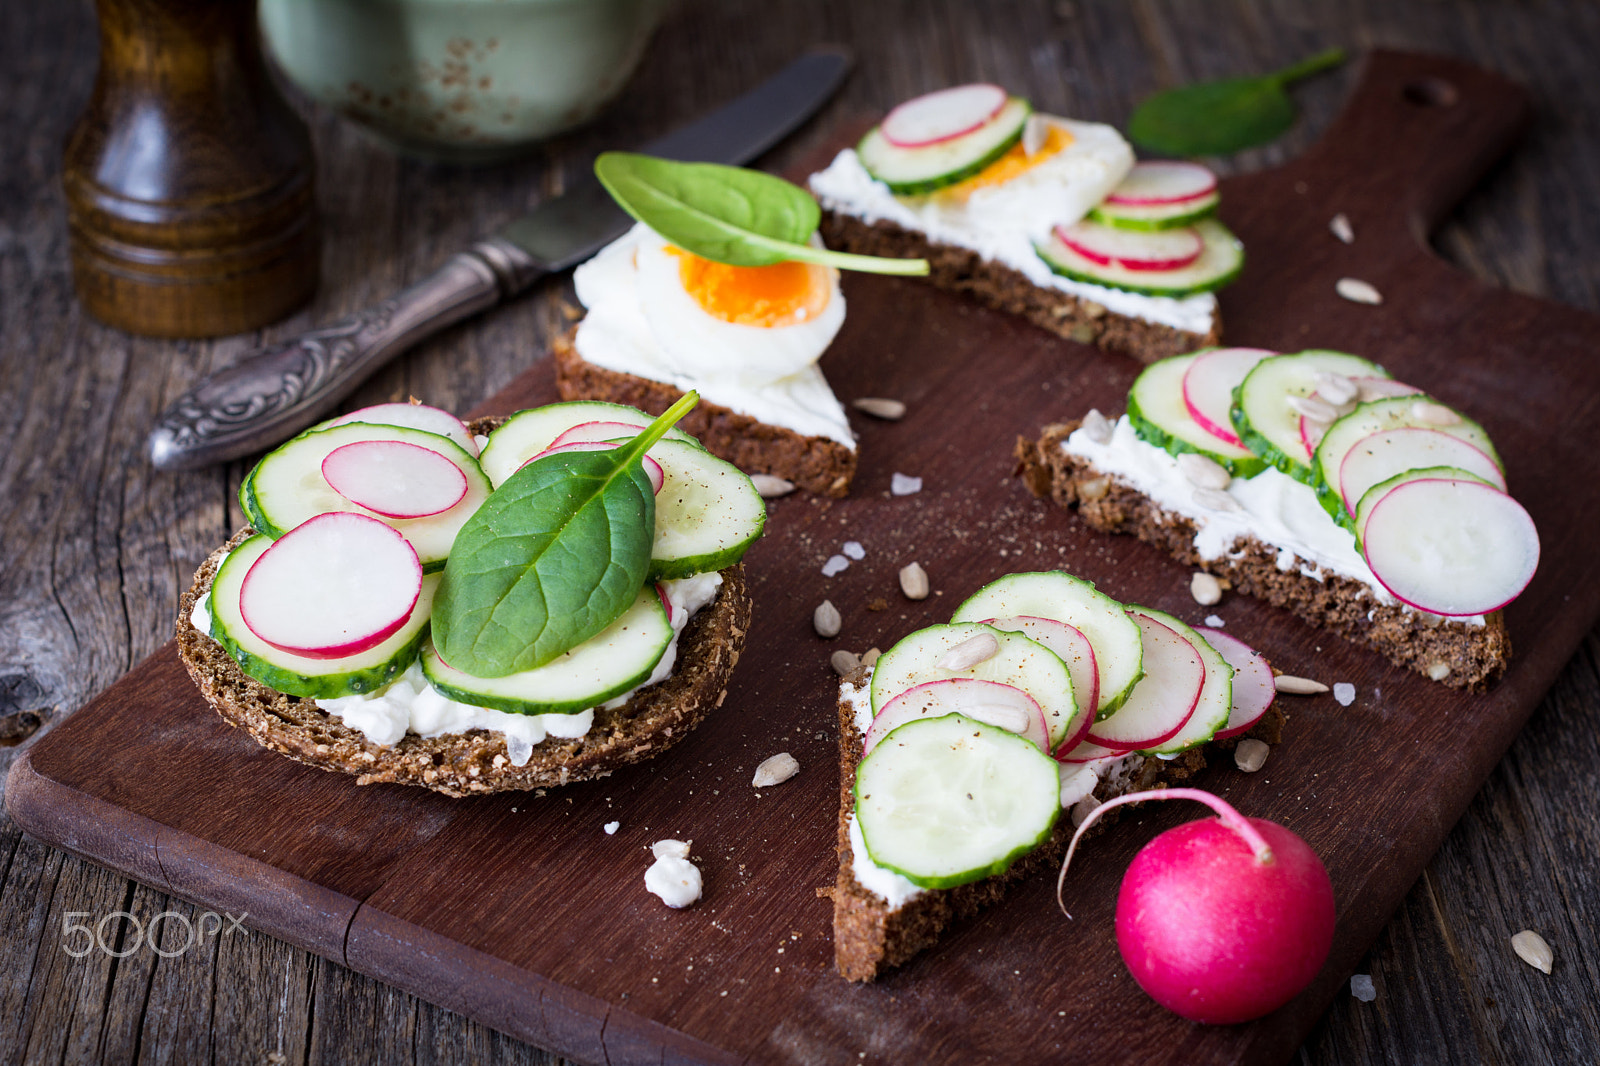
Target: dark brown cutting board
{"type": "Point", "coordinates": [520, 911]}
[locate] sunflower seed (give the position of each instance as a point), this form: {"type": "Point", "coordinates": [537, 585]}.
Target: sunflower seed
{"type": "Point", "coordinates": [1215, 500]}
{"type": "Point", "coordinates": [1336, 388]}
{"type": "Point", "coordinates": [878, 407]}
{"type": "Point", "coordinates": [1035, 131]}
{"type": "Point", "coordinates": [1357, 291]}
{"type": "Point", "coordinates": [776, 770]}
{"type": "Point", "coordinates": [1205, 589]}
{"type": "Point", "coordinates": [1340, 225]}
{"type": "Point", "coordinates": [1202, 472]}
{"type": "Point", "coordinates": [870, 656]}
{"type": "Point", "coordinates": [1094, 488]}
{"type": "Point", "coordinates": [1434, 414]}
{"type": "Point", "coordinates": [969, 653]}
{"type": "Point", "coordinates": [1532, 949]}
{"type": "Point", "coordinates": [844, 663]}
{"type": "Point", "coordinates": [826, 621]}
{"type": "Point", "coordinates": [1096, 426]}
{"type": "Point", "coordinates": [1313, 408]}
{"type": "Point", "coordinates": [914, 581]}
{"type": "Point", "coordinates": [1251, 755]}
{"type": "Point", "coordinates": [1298, 686]}
{"type": "Point", "coordinates": [771, 487]}
{"type": "Point", "coordinates": [1438, 670]}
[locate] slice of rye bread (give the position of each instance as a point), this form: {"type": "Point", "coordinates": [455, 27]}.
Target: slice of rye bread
{"type": "Point", "coordinates": [1001, 287]}
{"type": "Point", "coordinates": [1473, 655]}
{"type": "Point", "coordinates": [653, 719]}
{"type": "Point", "coordinates": [817, 464]}
{"type": "Point", "coordinates": [869, 937]}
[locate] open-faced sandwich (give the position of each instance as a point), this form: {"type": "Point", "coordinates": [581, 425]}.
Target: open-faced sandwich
{"type": "Point", "coordinates": [1040, 216]}
{"type": "Point", "coordinates": [722, 287]}
{"type": "Point", "coordinates": [508, 604]}
{"type": "Point", "coordinates": [960, 747]}
{"type": "Point", "coordinates": [1318, 483]}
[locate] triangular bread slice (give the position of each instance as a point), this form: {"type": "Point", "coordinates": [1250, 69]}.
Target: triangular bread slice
{"type": "Point", "coordinates": [870, 936]}
{"type": "Point", "coordinates": [818, 465]}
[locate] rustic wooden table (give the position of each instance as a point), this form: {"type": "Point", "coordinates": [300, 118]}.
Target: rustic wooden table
{"type": "Point", "coordinates": [95, 546]}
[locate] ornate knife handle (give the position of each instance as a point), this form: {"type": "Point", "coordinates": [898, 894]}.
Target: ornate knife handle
{"type": "Point", "coordinates": [274, 393]}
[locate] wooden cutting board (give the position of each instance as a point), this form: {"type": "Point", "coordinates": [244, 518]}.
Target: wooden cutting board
{"type": "Point", "coordinates": [522, 912]}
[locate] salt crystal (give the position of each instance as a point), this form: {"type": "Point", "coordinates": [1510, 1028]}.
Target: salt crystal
{"type": "Point", "coordinates": [1361, 987]}
{"type": "Point", "coordinates": [836, 564]}
{"type": "Point", "coordinates": [904, 485]}
{"type": "Point", "coordinates": [854, 550]}
{"type": "Point", "coordinates": [1345, 693]}
{"type": "Point", "coordinates": [1215, 621]}
{"type": "Point", "coordinates": [612, 827]}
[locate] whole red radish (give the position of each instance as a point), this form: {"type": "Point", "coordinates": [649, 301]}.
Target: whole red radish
{"type": "Point", "coordinates": [1224, 919]}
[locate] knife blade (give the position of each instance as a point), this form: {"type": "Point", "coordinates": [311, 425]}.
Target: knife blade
{"type": "Point", "coordinates": [275, 392]}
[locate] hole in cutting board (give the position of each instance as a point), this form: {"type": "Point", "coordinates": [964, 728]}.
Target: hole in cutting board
{"type": "Point", "coordinates": [1430, 92]}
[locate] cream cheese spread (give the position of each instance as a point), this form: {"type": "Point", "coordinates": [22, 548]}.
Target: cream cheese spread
{"type": "Point", "coordinates": [635, 325]}
{"type": "Point", "coordinates": [1273, 507]}
{"type": "Point", "coordinates": [408, 704]}
{"type": "Point", "coordinates": [672, 877]}
{"type": "Point", "coordinates": [1001, 222]}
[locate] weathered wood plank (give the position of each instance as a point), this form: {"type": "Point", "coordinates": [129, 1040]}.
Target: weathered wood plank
{"type": "Point", "coordinates": [96, 546]}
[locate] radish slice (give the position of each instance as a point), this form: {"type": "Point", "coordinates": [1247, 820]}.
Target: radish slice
{"type": "Point", "coordinates": [1086, 751]}
{"type": "Point", "coordinates": [1003, 706]}
{"type": "Point", "coordinates": [942, 115]}
{"type": "Point", "coordinates": [394, 479]}
{"type": "Point", "coordinates": [338, 584]}
{"type": "Point", "coordinates": [1073, 648]}
{"type": "Point", "coordinates": [652, 469]}
{"type": "Point", "coordinates": [666, 602]}
{"type": "Point", "coordinates": [588, 431]}
{"type": "Point", "coordinates": [1253, 687]}
{"type": "Point", "coordinates": [1451, 546]}
{"type": "Point", "coordinates": [1171, 249]}
{"type": "Point", "coordinates": [413, 416]}
{"type": "Point", "coordinates": [1161, 182]}
{"type": "Point", "coordinates": [1381, 456]}
{"type": "Point", "coordinates": [1208, 387]}
{"type": "Point", "coordinates": [1164, 698]}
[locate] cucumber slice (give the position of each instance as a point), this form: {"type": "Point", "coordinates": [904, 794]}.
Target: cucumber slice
{"type": "Point", "coordinates": [527, 433]}
{"type": "Point", "coordinates": [1160, 416]}
{"type": "Point", "coordinates": [1219, 263]}
{"type": "Point", "coordinates": [1151, 217]}
{"type": "Point", "coordinates": [1076, 602]}
{"type": "Point", "coordinates": [287, 487]}
{"type": "Point", "coordinates": [1395, 412]}
{"type": "Point", "coordinates": [1216, 695]}
{"type": "Point", "coordinates": [618, 658]}
{"type": "Point", "coordinates": [944, 801]}
{"type": "Point", "coordinates": [297, 675]}
{"type": "Point", "coordinates": [1019, 662]}
{"type": "Point", "coordinates": [708, 512]}
{"type": "Point", "coordinates": [914, 171]}
{"type": "Point", "coordinates": [1261, 413]}
{"type": "Point", "coordinates": [1370, 498]}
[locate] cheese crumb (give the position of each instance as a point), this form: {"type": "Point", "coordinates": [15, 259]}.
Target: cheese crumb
{"type": "Point", "coordinates": [672, 876]}
{"type": "Point", "coordinates": [612, 827]}
{"type": "Point", "coordinates": [904, 485]}
{"type": "Point", "coordinates": [1345, 693]}
{"type": "Point", "coordinates": [1361, 987]}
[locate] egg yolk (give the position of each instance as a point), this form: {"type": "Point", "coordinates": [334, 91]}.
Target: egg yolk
{"type": "Point", "coordinates": [1013, 163]}
{"type": "Point", "coordinates": [783, 294]}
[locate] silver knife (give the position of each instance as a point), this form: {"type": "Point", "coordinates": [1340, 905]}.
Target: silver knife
{"type": "Point", "coordinates": [277, 391]}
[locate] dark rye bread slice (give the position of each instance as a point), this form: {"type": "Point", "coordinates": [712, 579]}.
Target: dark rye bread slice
{"type": "Point", "coordinates": [653, 720]}
{"type": "Point", "coordinates": [817, 464]}
{"type": "Point", "coordinates": [869, 937]}
{"type": "Point", "coordinates": [999, 286]}
{"type": "Point", "coordinates": [1473, 655]}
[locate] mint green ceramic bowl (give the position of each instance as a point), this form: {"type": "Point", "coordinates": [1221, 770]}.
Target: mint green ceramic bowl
{"type": "Point", "coordinates": [460, 80]}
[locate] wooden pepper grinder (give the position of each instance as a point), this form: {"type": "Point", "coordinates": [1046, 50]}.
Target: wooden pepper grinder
{"type": "Point", "coordinates": [188, 179]}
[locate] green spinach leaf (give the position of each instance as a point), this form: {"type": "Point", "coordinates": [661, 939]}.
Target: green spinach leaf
{"type": "Point", "coordinates": [555, 555]}
{"type": "Point", "coordinates": [1218, 117]}
{"type": "Point", "coordinates": [729, 214]}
